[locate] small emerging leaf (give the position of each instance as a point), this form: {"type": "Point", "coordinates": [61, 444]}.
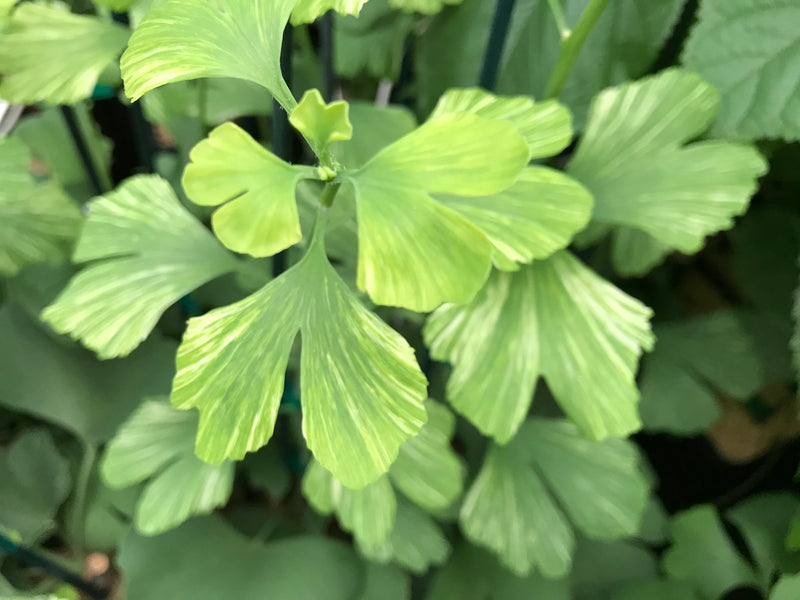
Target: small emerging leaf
{"type": "Point", "coordinates": [322, 123]}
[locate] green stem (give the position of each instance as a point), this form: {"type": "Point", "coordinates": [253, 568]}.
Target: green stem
{"type": "Point", "coordinates": [558, 15]}
{"type": "Point", "coordinates": [571, 46]}
{"type": "Point", "coordinates": [329, 193]}
{"type": "Point", "coordinates": [81, 492]}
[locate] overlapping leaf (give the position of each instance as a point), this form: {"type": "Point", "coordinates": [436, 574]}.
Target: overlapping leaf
{"type": "Point", "coordinates": [426, 471]}
{"type": "Point", "coordinates": [150, 253]}
{"type": "Point", "coordinates": [259, 216]}
{"type": "Point", "coordinates": [307, 11]}
{"type": "Point", "coordinates": [416, 252]}
{"type": "Point", "coordinates": [156, 444]}
{"type": "Point", "coordinates": [692, 361]}
{"type": "Point", "coordinates": [428, 7]}
{"type": "Point", "coordinates": [37, 222]}
{"type": "Point", "coordinates": [510, 510]}
{"type": "Point", "coordinates": [36, 480]}
{"type": "Point", "coordinates": [758, 76]}
{"type": "Point", "coordinates": [205, 559]}
{"type": "Point", "coordinates": [361, 388]}
{"type": "Point", "coordinates": [641, 174]}
{"type": "Point", "coordinates": [36, 35]}
{"type": "Point", "coordinates": [320, 123]}
{"type": "Point", "coordinates": [555, 318]}
{"type": "Point", "coordinates": [188, 39]}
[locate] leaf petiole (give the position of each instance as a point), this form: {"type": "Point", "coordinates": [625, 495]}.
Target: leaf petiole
{"type": "Point", "coordinates": [558, 16]}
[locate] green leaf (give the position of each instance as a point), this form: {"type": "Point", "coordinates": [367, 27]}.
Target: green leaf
{"type": "Point", "coordinates": [509, 511]}
{"type": "Point", "coordinates": [427, 470]}
{"type": "Point", "coordinates": [545, 126]}
{"type": "Point", "coordinates": [634, 253]}
{"type": "Point", "coordinates": [117, 5]}
{"type": "Point", "coordinates": [642, 176]}
{"type": "Point", "coordinates": [472, 574]}
{"type": "Point", "coordinates": [307, 11]}
{"type": "Point", "coordinates": [362, 391]}
{"type": "Point", "coordinates": [692, 362]}
{"type": "Point", "coordinates": [189, 39]}
{"type": "Point", "coordinates": [385, 582]}
{"type": "Point", "coordinates": [374, 128]}
{"type": "Point", "coordinates": [146, 252]}
{"type": "Point", "coordinates": [372, 44]}
{"type": "Point", "coordinates": [703, 555]}
{"type": "Point", "coordinates": [85, 396]}
{"type": "Point", "coordinates": [37, 221]}
{"type": "Point", "coordinates": [204, 559]}
{"type": "Point", "coordinates": [532, 219]}
{"type": "Point", "coordinates": [582, 323]}
{"type": "Point", "coordinates": [622, 45]}
{"type": "Point", "coordinates": [416, 543]}
{"type": "Point", "coordinates": [427, 7]}
{"type": "Point", "coordinates": [259, 216]}
{"type": "Point", "coordinates": [369, 513]}
{"type": "Point", "coordinates": [36, 480]}
{"type": "Point", "coordinates": [787, 588]}
{"type": "Point", "coordinates": [601, 567]}
{"type": "Point", "coordinates": [654, 589]}
{"type": "Point", "coordinates": [449, 259]}
{"type": "Point", "coordinates": [47, 53]}
{"type": "Point", "coordinates": [759, 83]}
{"type": "Point", "coordinates": [156, 444]}
{"type": "Point", "coordinates": [322, 123]}
{"type": "Point", "coordinates": [267, 471]}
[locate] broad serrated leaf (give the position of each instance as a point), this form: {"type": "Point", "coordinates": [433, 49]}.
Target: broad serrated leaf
{"type": "Point", "coordinates": [510, 511]}
{"type": "Point", "coordinates": [188, 39]}
{"type": "Point", "coordinates": [474, 574]}
{"type": "Point", "coordinates": [693, 361]}
{"type": "Point", "coordinates": [557, 319]}
{"type": "Point", "coordinates": [36, 480]}
{"type": "Point", "coordinates": [640, 173]}
{"type": "Point", "coordinates": [205, 559]}
{"type": "Point", "coordinates": [47, 53]}
{"type": "Point", "coordinates": [622, 45]}
{"type": "Point", "coordinates": [37, 221]}
{"type": "Point", "coordinates": [545, 126]}
{"type": "Point", "coordinates": [416, 542]}
{"type": "Point", "coordinates": [307, 11]}
{"type": "Point", "coordinates": [450, 258]}
{"type": "Point", "coordinates": [361, 388]}
{"type": "Point", "coordinates": [146, 252]}
{"type": "Point", "coordinates": [757, 76]}
{"type": "Point", "coordinates": [156, 445]}
{"type": "Point", "coordinates": [257, 189]}
{"type": "Point", "coordinates": [702, 554]}
{"type": "Point", "coordinates": [321, 123]}
{"type": "Point", "coordinates": [66, 385]}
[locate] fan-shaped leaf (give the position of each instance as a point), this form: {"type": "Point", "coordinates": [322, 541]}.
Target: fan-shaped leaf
{"type": "Point", "coordinates": [151, 252]}
{"type": "Point", "coordinates": [307, 11]}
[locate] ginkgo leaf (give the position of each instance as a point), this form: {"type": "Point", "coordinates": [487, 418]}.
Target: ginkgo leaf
{"type": "Point", "coordinates": [415, 252]}
{"type": "Point", "coordinates": [117, 5]}
{"type": "Point", "coordinates": [37, 222]}
{"type": "Point", "coordinates": [307, 11]}
{"type": "Point", "coordinates": [758, 76]}
{"type": "Point", "coordinates": [641, 174]}
{"type": "Point", "coordinates": [416, 542]}
{"type": "Point", "coordinates": [693, 360]}
{"type": "Point", "coordinates": [188, 39]}
{"type": "Point", "coordinates": [36, 35]}
{"type": "Point", "coordinates": [427, 470]}
{"type": "Point", "coordinates": [321, 123]}
{"type": "Point", "coordinates": [427, 7]}
{"type": "Point", "coordinates": [362, 391]}
{"type": "Point", "coordinates": [545, 126]}
{"type": "Point", "coordinates": [532, 219]}
{"type": "Point", "coordinates": [635, 252]}
{"type": "Point", "coordinates": [369, 512]}
{"type": "Point", "coordinates": [146, 252]}
{"type": "Point", "coordinates": [510, 511]}
{"type": "Point", "coordinates": [259, 216]}
{"type": "Point", "coordinates": [156, 445]}
{"type": "Point", "coordinates": [555, 318]}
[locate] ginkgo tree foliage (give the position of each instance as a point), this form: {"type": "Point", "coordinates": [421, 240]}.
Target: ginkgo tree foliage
{"type": "Point", "coordinates": [395, 343]}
